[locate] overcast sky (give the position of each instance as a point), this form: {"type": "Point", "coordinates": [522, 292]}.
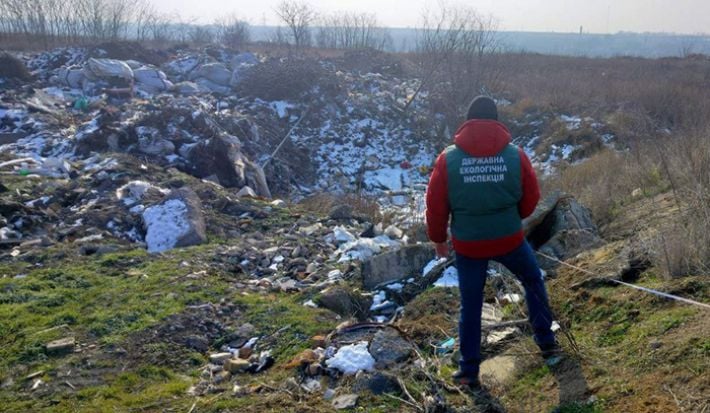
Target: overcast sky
{"type": "Point", "coordinates": [596, 16]}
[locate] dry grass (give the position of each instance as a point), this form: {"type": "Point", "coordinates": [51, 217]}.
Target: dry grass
{"type": "Point", "coordinates": [287, 79]}
{"type": "Point", "coordinates": [13, 68]}
{"type": "Point", "coordinates": [659, 112]}
{"type": "Point", "coordinates": [363, 206]}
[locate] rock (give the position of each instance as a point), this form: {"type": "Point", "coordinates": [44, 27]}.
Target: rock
{"type": "Point", "coordinates": [98, 250]}
{"type": "Point", "coordinates": [561, 228]}
{"type": "Point", "coordinates": [389, 348]}
{"type": "Point", "coordinates": [377, 383]}
{"type": "Point", "coordinates": [347, 401]}
{"type": "Point", "coordinates": [236, 365]}
{"type": "Point", "coordinates": [311, 268]}
{"type": "Point", "coordinates": [246, 330]}
{"type": "Point", "coordinates": [567, 244]}
{"type": "Point", "coordinates": [187, 88]}
{"type": "Point", "coordinates": [396, 265]}
{"type": "Point", "coordinates": [544, 208]}
{"type": "Point", "coordinates": [499, 369]}
{"type": "Point", "coordinates": [61, 346]}
{"type": "Point", "coordinates": [199, 343]}
{"type": "Point", "coordinates": [394, 232]}
{"type": "Point", "coordinates": [222, 156]}
{"type": "Point", "coordinates": [220, 358]}
{"type": "Point", "coordinates": [175, 222]}
{"type": "Point", "coordinates": [341, 212]}
{"type": "Point", "coordinates": [345, 302]}
{"type": "Point", "coordinates": [246, 192]}
{"type": "Point", "coordinates": [221, 377]}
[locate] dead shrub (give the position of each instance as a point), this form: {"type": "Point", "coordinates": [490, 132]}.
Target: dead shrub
{"type": "Point", "coordinates": [362, 205]}
{"type": "Point", "coordinates": [287, 79]}
{"type": "Point", "coordinates": [606, 181]}
{"type": "Point", "coordinates": [683, 248]}
{"type": "Point", "coordinates": [13, 68]}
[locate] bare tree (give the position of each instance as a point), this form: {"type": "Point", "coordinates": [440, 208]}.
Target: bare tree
{"type": "Point", "coordinates": [233, 32]}
{"type": "Point", "coordinates": [76, 20]}
{"type": "Point", "coordinates": [352, 31]}
{"type": "Point", "coordinates": [456, 51]}
{"type": "Point", "coordinates": [298, 17]}
{"type": "Point", "coordinates": [201, 35]}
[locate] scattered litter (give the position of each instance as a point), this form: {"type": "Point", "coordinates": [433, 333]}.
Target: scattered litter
{"type": "Point", "coordinates": [446, 346]}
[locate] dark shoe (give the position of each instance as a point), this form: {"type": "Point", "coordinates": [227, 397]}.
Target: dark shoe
{"type": "Point", "coordinates": [463, 379]}
{"type": "Point", "coordinates": [550, 350]}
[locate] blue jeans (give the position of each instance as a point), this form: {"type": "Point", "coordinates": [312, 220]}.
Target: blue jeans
{"type": "Point", "coordinates": [472, 279]}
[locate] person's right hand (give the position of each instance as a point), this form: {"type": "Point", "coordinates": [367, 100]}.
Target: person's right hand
{"type": "Point", "coordinates": [442, 249]}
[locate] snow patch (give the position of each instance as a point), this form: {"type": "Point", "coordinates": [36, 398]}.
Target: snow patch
{"type": "Point", "coordinates": [433, 263]}
{"type": "Point", "coordinates": [166, 224]}
{"type": "Point", "coordinates": [450, 278]}
{"type": "Point", "coordinates": [352, 359]}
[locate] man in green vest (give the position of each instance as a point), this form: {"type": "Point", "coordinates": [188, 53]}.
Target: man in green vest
{"type": "Point", "coordinates": [485, 186]}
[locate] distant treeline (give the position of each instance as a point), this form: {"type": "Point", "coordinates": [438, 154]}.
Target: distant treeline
{"type": "Point", "coordinates": [76, 21]}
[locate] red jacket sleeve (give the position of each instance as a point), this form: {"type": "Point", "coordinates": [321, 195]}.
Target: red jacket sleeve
{"type": "Point", "coordinates": [437, 202]}
{"type": "Point", "coordinates": [531, 189]}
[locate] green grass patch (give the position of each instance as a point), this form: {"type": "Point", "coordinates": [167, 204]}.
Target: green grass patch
{"type": "Point", "coordinates": [96, 299]}
{"type": "Point", "coordinates": [577, 407]}
{"type": "Point", "coordinates": [284, 319]}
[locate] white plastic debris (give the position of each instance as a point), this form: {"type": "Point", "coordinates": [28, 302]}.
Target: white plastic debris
{"type": "Point", "coordinates": [335, 275]}
{"type": "Point", "coordinates": [379, 301]}
{"type": "Point", "coordinates": [511, 298]}
{"type": "Point", "coordinates": [394, 232]}
{"type": "Point", "coordinates": [311, 304]}
{"type": "Point", "coordinates": [166, 224]}
{"type": "Point", "coordinates": [351, 359]}
{"type": "Point", "coordinates": [342, 235]}
{"type": "Point", "coordinates": [450, 278]}
{"type": "Point", "coordinates": [555, 326]}
{"type": "Point", "coordinates": [107, 68]}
